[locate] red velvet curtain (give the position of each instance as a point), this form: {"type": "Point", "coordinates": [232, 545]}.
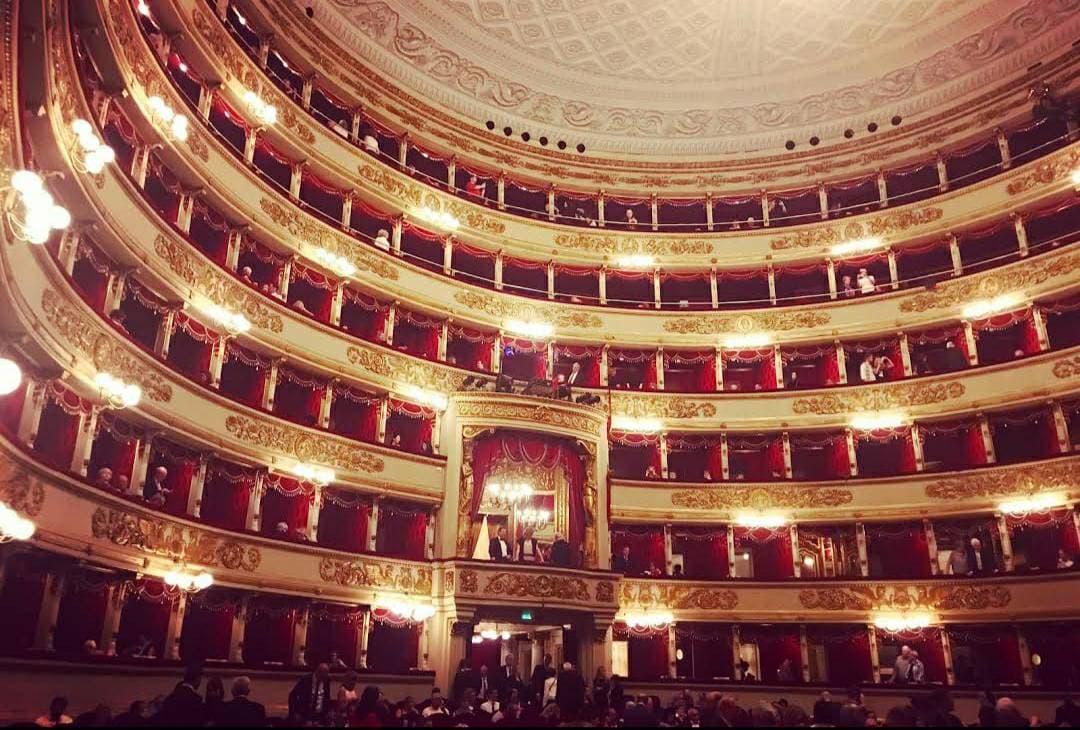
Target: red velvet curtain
{"type": "Point", "coordinates": [415, 424]}
{"type": "Point", "coordinates": [20, 601]}
{"type": "Point", "coordinates": [402, 530]}
{"type": "Point", "coordinates": [11, 406]}
{"type": "Point", "coordinates": [995, 654]}
{"type": "Point", "coordinates": [704, 552]}
{"type": "Point", "coordinates": [59, 425]}
{"type": "Point", "coordinates": [114, 447]}
{"type": "Point", "coordinates": [392, 649]}
{"type": "Point", "coordinates": [145, 614]}
{"type": "Point", "coordinates": [209, 231]}
{"type": "Point", "coordinates": [1039, 536]}
{"type": "Point", "coordinates": [333, 628]}
{"type": "Point", "coordinates": [1058, 646]}
{"type": "Point", "coordinates": [707, 651]}
{"type": "Point", "coordinates": [820, 456]}
{"type": "Point", "coordinates": [885, 452]}
{"type": "Point", "coordinates": [226, 493]}
{"type": "Point", "coordinates": [91, 273]}
{"type": "Point", "coordinates": [191, 347]}
{"type": "Point", "coordinates": [285, 500]}
{"type": "Point", "coordinates": [181, 464]}
{"type": "Point", "coordinates": [417, 334]}
{"type": "Point", "coordinates": [243, 375]}
{"type": "Point", "coordinates": [901, 551]}
{"type": "Point", "coordinates": [298, 396]}
{"type": "Point", "coordinates": [638, 369]}
{"type": "Point", "coordinates": [343, 521]}
{"type": "Point", "coordinates": [761, 365]}
{"type": "Point", "coordinates": [770, 550]}
{"type": "Point", "coordinates": [314, 290]}
{"type": "Point", "coordinates": [646, 547]}
{"type": "Point", "coordinates": [355, 414]}
{"type": "Point", "coordinates": [268, 632]}
{"type": "Point", "coordinates": [648, 656]}
{"type": "Point", "coordinates": [927, 642]}
{"type": "Point", "coordinates": [774, 644]}
{"type": "Point", "coordinates": [758, 457]}
{"type": "Point", "coordinates": [690, 372]}
{"type": "Point", "coordinates": [633, 455]}
{"type": "Point", "coordinates": [589, 359]}
{"type": "Point", "coordinates": [534, 352]}
{"type": "Point", "coordinates": [208, 622]}
{"type": "Point", "coordinates": [82, 611]}
{"type": "Point", "coordinates": [955, 444]}
{"type": "Point", "coordinates": [470, 349]}
{"type": "Point", "coordinates": [363, 316]}
{"type": "Point", "coordinates": [847, 653]}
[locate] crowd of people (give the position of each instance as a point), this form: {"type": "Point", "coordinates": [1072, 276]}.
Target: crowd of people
{"type": "Point", "coordinates": [550, 698]}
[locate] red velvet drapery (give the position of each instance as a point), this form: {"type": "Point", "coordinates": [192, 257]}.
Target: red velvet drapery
{"type": "Point", "coordinates": [402, 530]}
{"type": "Point", "coordinates": [355, 413]}
{"type": "Point", "coordinates": [632, 369]}
{"type": "Point", "coordinates": [690, 372]}
{"type": "Point", "coordinates": [210, 231]}
{"type": "Point", "coordinates": [749, 369]}
{"type": "Point", "coordinates": [314, 289]}
{"type": "Point", "coordinates": [885, 452]}
{"type": "Point", "coordinates": [774, 644]}
{"type": "Point", "coordinates": [343, 521]}
{"type": "Point", "coordinates": [226, 493]}
{"type": "Point", "coordinates": [587, 357]}
{"type": "Point", "coordinates": [704, 551]}
{"type": "Point", "coordinates": [524, 359]}
{"type": "Point", "coordinates": [994, 655]}
{"type": "Point", "coordinates": [927, 642]}
{"type": "Point", "coordinates": [145, 614]}
{"type": "Point", "coordinates": [820, 456]}
{"type": "Point", "coordinates": [114, 447]}
{"type": "Point", "coordinates": [243, 375]}
{"type": "Point", "coordinates": [286, 501]}
{"type": "Point", "coordinates": [1004, 337]}
{"type": "Point", "coordinates": [181, 464]}
{"type": "Point", "coordinates": [415, 425]}
{"type": "Point", "coordinates": [1038, 536]}
{"type": "Point", "coordinates": [756, 457]}
{"type": "Point", "coordinates": [707, 651]}
{"type": "Point", "coordinates": [82, 611]}
{"type": "Point", "coordinates": [91, 273]}
{"type": "Point", "coordinates": [298, 396]}
{"type": "Point", "coordinates": [647, 655]}
{"type": "Point", "coordinates": [953, 444]}
{"type": "Point", "coordinates": [813, 366]}
{"type": "Point", "coordinates": [847, 653]}
{"type": "Point", "coordinates": [268, 632]}
{"type": "Point", "coordinates": [333, 628]}
{"type": "Point", "coordinates": [898, 551]}
{"type": "Point", "coordinates": [634, 456]}
{"type": "Point", "coordinates": [59, 425]}
{"type": "Point", "coordinates": [693, 458]}
{"type": "Point", "coordinates": [470, 349]}
{"type": "Point", "coordinates": [20, 601]}
{"type": "Point", "coordinates": [1058, 646]}
{"type": "Point", "coordinates": [769, 549]}
{"type": "Point", "coordinates": [191, 347]}
{"type": "Point", "coordinates": [208, 623]}
{"type": "Point", "coordinates": [364, 316]}
{"type": "Point", "coordinates": [392, 649]}
{"type": "Point", "coordinates": [646, 547]}
{"type": "Point", "coordinates": [417, 334]}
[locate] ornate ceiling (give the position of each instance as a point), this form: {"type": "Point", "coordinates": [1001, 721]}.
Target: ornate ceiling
{"type": "Point", "coordinates": [662, 77]}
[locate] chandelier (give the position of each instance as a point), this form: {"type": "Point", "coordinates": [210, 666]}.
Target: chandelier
{"type": "Point", "coordinates": [31, 211]}
{"type": "Point", "coordinates": [234, 324]}
{"type": "Point", "coordinates": [508, 495]}
{"type": "Point", "coordinates": [317, 475]}
{"type": "Point", "coordinates": [533, 518]}
{"type": "Point", "coordinates": [405, 610]}
{"type": "Point", "coordinates": [117, 393]}
{"type": "Point", "coordinates": [13, 526]}
{"type": "Point", "coordinates": [10, 376]}
{"type": "Point", "coordinates": [265, 113]}
{"type": "Point", "coordinates": [340, 265]}
{"type": "Point", "coordinates": [651, 620]}
{"type": "Point", "coordinates": [175, 125]}
{"type": "Point", "coordinates": [187, 581]}
{"type": "Point", "coordinates": [89, 153]}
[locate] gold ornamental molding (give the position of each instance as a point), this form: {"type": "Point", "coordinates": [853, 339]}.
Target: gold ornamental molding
{"type": "Point", "coordinates": [675, 596]}
{"type": "Point", "coordinates": [185, 544]}
{"type": "Point", "coordinates": [377, 574]}
{"type": "Point", "coordinates": [318, 235]}
{"type": "Point", "coordinates": [658, 406]}
{"type": "Point", "coordinates": [1046, 172]}
{"type": "Point", "coordinates": [879, 225]}
{"type": "Point", "coordinates": [421, 373]}
{"type": "Point", "coordinates": [653, 246]}
{"type": "Point", "coordinates": [557, 316]}
{"type": "Point", "coordinates": [760, 498]}
{"type": "Point", "coordinates": [1067, 368]}
{"type": "Point", "coordinates": [86, 336]}
{"type": "Point", "coordinates": [905, 598]}
{"type": "Point", "coordinates": [20, 490]}
{"type": "Point", "coordinates": [215, 285]}
{"type": "Point", "coordinates": [380, 178]}
{"type": "Point", "coordinates": [724, 324]}
{"type": "Point", "coordinates": [958, 292]}
{"type": "Point", "coordinates": [544, 586]}
{"type": "Point", "coordinates": [1017, 480]}
{"type": "Point", "coordinates": [541, 412]}
{"type": "Point", "coordinates": [877, 398]}
{"type": "Point", "coordinates": [304, 447]}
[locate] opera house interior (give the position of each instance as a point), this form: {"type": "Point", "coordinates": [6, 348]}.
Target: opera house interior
{"type": "Point", "coordinates": [539, 362]}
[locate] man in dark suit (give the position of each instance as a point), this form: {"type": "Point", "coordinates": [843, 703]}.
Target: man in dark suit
{"type": "Point", "coordinates": [310, 700]}
{"type": "Point", "coordinates": [954, 359]}
{"type": "Point", "coordinates": [570, 691]}
{"type": "Point", "coordinates": [184, 707]}
{"type": "Point", "coordinates": [567, 382]}
{"type": "Point", "coordinates": [621, 562]}
{"type": "Point", "coordinates": [560, 552]}
{"type": "Point", "coordinates": [508, 678]}
{"type": "Point", "coordinates": [240, 711]}
{"type": "Point", "coordinates": [980, 561]}
{"type": "Point", "coordinates": [498, 547]}
{"type": "Point", "coordinates": [540, 674]}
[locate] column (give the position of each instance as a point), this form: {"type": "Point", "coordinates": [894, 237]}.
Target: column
{"type": "Point", "coordinates": [50, 608]}
{"type": "Point", "coordinates": [141, 465]}
{"type": "Point", "coordinates": [654, 209]}
{"type": "Point", "coordinates": [831, 273]}
{"type": "Point", "coordinates": [551, 280]}
{"type": "Point", "coordinates": [314, 511]}
{"type": "Point", "coordinates": [346, 211]}
{"type": "Point", "coordinates": [672, 652]}
{"type": "Point", "coordinates": [198, 484]}
{"type": "Point", "coordinates": [500, 189]}
{"type": "Point", "coordinates": [286, 278]}
{"type": "Point", "coordinates": [403, 150]}
{"type": "Point", "coordinates": [254, 518]}
{"type": "Point", "coordinates": [796, 564]}
{"type": "Point", "coordinates": [84, 442]}
{"type": "Point", "coordinates": [551, 203]}
{"type": "Point", "coordinates": [183, 212]}
{"type": "Point", "coordinates": [1003, 147]}
{"type": "Point", "coordinates": [931, 545]}
{"type": "Point", "coordinates": [451, 173]}
{"type": "Point", "coordinates": [894, 271]}
{"type": "Point", "coordinates": [668, 553]}
{"type": "Point", "coordinates": [1027, 678]}
{"type": "Point", "coordinates": [604, 366]}
{"type": "Point", "coordinates": [603, 285]}
{"type": "Point", "coordinates": [725, 462]}
{"type": "Point", "coordinates": [942, 174]}
{"type": "Point", "coordinates": [852, 454]}
{"type": "Point", "coordinates": [772, 284]}
{"type": "Point", "coordinates": [718, 366]}
{"type": "Point", "coordinates": [729, 533]}
{"type": "Point", "coordinates": [384, 414]}
{"type": "Point", "coordinates": [115, 594]}
{"type": "Point", "coordinates": [232, 252]}
{"type": "Point", "coordinates": [600, 209]}
{"type": "Point", "coordinates": [69, 249]}
{"type": "Point", "coordinates": [823, 200]}
{"type": "Point", "coordinates": [917, 447]}
{"type": "Point", "coordinates": [765, 221]}
{"type": "Point", "coordinates": [1061, 425]}
{"type": "Point", "coordinates": [1006, 541]}
{"type": "Point", "coordinates": [946, 650]}
{"type": "Point", "coordinates": [395, 237]}
{"type": "Point", "coordinates": [391, 319]}
{"type": "Point", "coordinates": [860, 542]}
{"type": "Point", "coordinates": [175, 627]}
{"type": "Point", "coordinates": [736, 650]}
{"type": "Point", "coordinates": [1038, 319]}
{"type": "Point", "coordinates": [714, 289]}
{"type": "Point", "coordinates": [114, 291]}
{"type": "Point", "coordinates": [236, 635]}
{"type": "Point", "coordinates": [444, 340]}
{"type": "Point", "coordinates": [263, 51]}
{"type": "Point", "coordinates": [217, 361]}
{"type": "Point", "coordinates": [164, 334]}
{"type": "Point", "coordinates": [1071, 506]}
{"type": "Point", "coordinates": [373, 523]}
{"type": "Point", "coordinates": [305, 90]}
{"type": "Point", "coordinates": [549, 359]}
{"type": "Point", "coordinates": [327, 403]}
{"type": "Point", "coordinates": [656, 287]}
{"type": "Point", "coordinates": [270, 387]}
{"type": "Point", "coordinates": [841, 361]}
{"type": "Point", "coordinates": [778, 366]}
{"type": "Point", "coordinates": [660, 369]}
{"type": "Point", "coordinates": [786, 441]}
{"type": "Point", "coordinates": [987, 438]}
{"type": "Point", "coordinates": [336, 304]}
{"type": "Point", "coordinates": [206, 98]}
{"type": "Point", "coordinates": [708, 211]}
{"type": "Point", "coordinates": [429, 534]}
{"type": "Point", "coordinates": [251, 138]}
{"type": "Point", "coordinates": [1021, 233]}
{"type": "Point", "coordinates": [972, 343]}
{"type": "Point", "coordinates": [30, 414]}
{"type": "Point", "coordinates": [875, 660]}
{"type": "Point", "coordinates": [954, 254]}
{"type": "Point", "coordinates": [496, 353]}
{"type": "Point", "coordinates": [804, 654]}
{"type": "Point", "coordinates": [499, 271]}
{"type": "Point", "coordinates": [663, 456]}
{"type": "Point", "coordinates": [296, 179]}
{"type": "Point", "coordinates": [905, 354]}
{"type": "Point", "coordinates": [882, 189]}
{"type": "Point", "coordinates": [300, 633]}
{"type": "Point", "coordinates": [139, 162]}
{"type": "Point", "coordinates": [422, 645]}
{"type": "Point", "coordinates": [448, 256]}
{"type": "Point", "coordinates": [362, 639]}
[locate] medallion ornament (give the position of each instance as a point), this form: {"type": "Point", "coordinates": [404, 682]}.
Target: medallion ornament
{"type": "Point", "coordinates": [905, 598]}
{"type": "Point", "coordinates": [181, 543]}
{"type": "Point", "coordinates": [1009, 481]}
{"type": "Point", "coordinates": [469, 581]}
{"type": "Point", "coordinates": [1067, 368]}
{"type": "Point", "coordinates": [730, 324]}
{"type": "Point", "coordinates": [760, 498]}
{"type": "Point", "coordinates": [20, 490]}
{"type": "Point", "coordinates": [877, 398]}
{"type": "Point", "coordinates": [364, 573]}
{"type": "Point", "coordinates": [308, 448]}
{"type": "Point", "coordinates": [676, 596]}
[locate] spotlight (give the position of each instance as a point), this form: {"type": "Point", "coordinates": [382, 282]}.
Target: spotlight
{"type": "Point", "coordinates": [789, 145]}
{"type": "Point", "coordinates": [562, 144]}
{"type": "Point", "coordinates": [815, 141]}
{"type": "Point", "coordinates": [581, 149]}
{"type": "Point", "coordinates": [871, 127]}
{"type": "Point", "coordinates": [490, 125]}
{"type": "Point", "coordinates": [849, 133]}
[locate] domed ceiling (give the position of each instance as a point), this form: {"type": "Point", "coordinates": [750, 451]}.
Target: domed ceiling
{"type": "Point", "coordinates": [698, 77]}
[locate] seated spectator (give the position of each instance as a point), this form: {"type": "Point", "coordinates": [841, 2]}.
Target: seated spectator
{"type": "Point", "coordinates": [882, 366]}
{"type": "Point", "coordinates": [141, 648]}
{"type": "Point", "coordinates": [866, 282]}
{"type": "Point", "coordinates": [299, 306]}
{"type": "Point", "coordinates": [436, 707]}
{"type": "Point", "coordinates": [1064, 560]}
{"type": "Point", "coordinates": [55, 716]}
{"type": "Point", "coordinates": [119, 320]}
{"type": "Point", "coordinates": [245, 274]}
{"type": "Point", "coordinates": [382, 239]}
{"type": "Point", "coordinates": [104, 478]}
{"type": "Point", "coordinates": [281, 530]}
{"type": "Point", "coordinates": [240, 711]}
{"type": "Point", "coordinates": [154, 490]}
{"type": "Point", "coordinates": [123, 484]}
{"type": "Point", "coordinates": [136, 716]}
{"type": "Point", "coordinates": [336, 661]}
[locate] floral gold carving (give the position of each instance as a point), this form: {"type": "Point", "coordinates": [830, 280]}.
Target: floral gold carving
{"type": "Point", "coordinates": [661, 406]}
{"type": "Point", "coordinates": [605, 592]}
{"type": "Point", "coordinates": [19, 489]}
{"type": "Point", "coordinates": [622, 244]}
{"type": "Point", "coordinates": [536, 414]}
{"type": "Point", "coordinates": [364, 573]}
{"type": "Point", "coordinates": [1007, 482]}
{"type": "Point", "coordinates": [528, 585]}
{"type": "Point", "coordinates": [448, 582]}
{"type": "Point", "coordinates": [879, 225]}
{"type": "Point", "coordinates": [760, 498]}
{"type": "Point", "coordinates": [215, 285]}
{"type": "Point", "coordinates": [1046, 172]}
{"type": "Point", "coordinates": [904, 598]}
{"type": "Point", "coordinates": [876, 398]}
{"type": "Point", "coordinates": [104, 349]}
{"type": "Point", "coordinates": [502, 309]}
{"type": "Point", "coordinates": [1067, 368]}
{"type": "Point", "coordinates": [1017, 277]}
{"type": "Point", "coordinates": [185, 544]}
{"type": "Point", "coordinates": [405, 369]}
{"type": "Point", "coordinates": [304, 447]}
{"type": "Point", "coordinates": [381, 179]}
{"type": "Point", "coordinates": [725, 324]}
{"type": "Point", "coordinates": [469, 581]}
{"type": "Point", "coordinates": [676, 596]}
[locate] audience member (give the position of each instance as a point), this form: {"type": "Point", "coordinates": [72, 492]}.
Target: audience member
{"type": "Point", "coordinates": [184, 707]}
{"type": "Point", "coordinates": [241, 711]}
{"type": "Point", "coordinates": [155, 490]}
{"type": "Point", "coordinates": [310, 699]}
{"type": "Point", "coordinates": [55, 716]}
{"type": "Point", "coordinates": [570, 691]}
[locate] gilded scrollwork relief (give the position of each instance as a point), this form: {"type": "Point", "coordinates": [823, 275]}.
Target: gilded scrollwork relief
{"type": "Point", "coordinates": [760, 498]}
{"type": "Point", "coordinates": [1028, 479]}
{"type": "Point", "coordinates": [676, 596]}
{"type": "Point", "coordinates": [376, 574]}
{"type": "Point", "coordinates": [905, 598]}
{"type": "Point", "coordinates": [729, 324]}
{"type": "Point", "coordinates": [877, 398]}
{"type": "Point", "coordinates": [308, 448]}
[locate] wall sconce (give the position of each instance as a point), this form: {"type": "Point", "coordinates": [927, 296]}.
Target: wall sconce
{"type": "Point", "coordinates": [89, 153]}
{"type": "Point", "coordinates": [986, 307]}
{"type": "Point", "coordinates": [856, 246]}
{"type": "Point", "coordinates": [31, 211]}
{"type": "Point", "coordinates": [338, 264]}
{"type": "Point", "coordinates": [176, 125]}
{"type": "Point", "coordinates": [233, 323]}
{"type": "Point", "coordinates": [429, 398]}
{"type": "Point", "coordinates": [769, 520]}
{"type": "Point", "coordinates": [14, 526]}
{"type": "Point", "coordinates": [635, 261]}
{"type": "Point", "coordinates": [1035, 503]}
{"type": "Point", "coordinates": [629, 424]}
{"type": "Point", "coordinates": [651, 620]}
{"type": "Point", "coordinates": [531, 329]}
{"type": "Point", "coordinates": [410, 611]}
{"type": "Point", "coordinates": [317, 475]}
{"type": "Point", "coordinates": [747, 341]}
{"type": "Point", "coordinates": [896, 622]}
{"type": "Point", "coordinates": [188, 582]}
{"type": "Point", "coordinates": [875, 421]}
{"type": "Point", "coordinates": [117, 393]}
{"type": "Point", "coordinates": [10, 376]}
{"type": "Point", "coordinates": [265, 113]}
{"type": "Point", "coordinates": [438, 218]}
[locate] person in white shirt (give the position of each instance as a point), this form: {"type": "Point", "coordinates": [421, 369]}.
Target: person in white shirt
{"type": "Point", "coordinates": [867, 373]}
{"type": "Point", "coordinates": [866, 282]}
{"type": "Point", "coordinates": [382, 239]}
{"type": "Point", "coordinates": [882, 367]}
{"type": "Point", "coordinates": [498, 549]}
{"type": "Point", "coordinates": [436, 707]}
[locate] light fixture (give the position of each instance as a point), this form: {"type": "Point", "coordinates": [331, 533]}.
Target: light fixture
{"type": "Point", "coordinates": [986, 307]}
{"type": "Point", "coordinates": [89, 153]}
{"type": "Point", "coordinates": [143, 9]}
{"type": "Point", "coordinates": [31, 211]}
{"type": "Point", "coordinates": [14, 526]}
{"type": "Point", "coordinates": [429, 398]}
{"type": "Point", "coordinates": [650, 620]}
{"type": "Point", "coordinates": [876, 421]}
{"type": "Point", "coordinates": [10, 376]}
{"type": "Point", "coordinates": [408, 610]}
{"type": "Point", "coordinates": [477, 639]}
{"type": "Point", "coordinates": [116, 392]}
{"type": "Point", "coordinates": [265, 113]}
{"type": "Point", "coordinates": [338, 264]}
{"type": "Point", "coordinates": [631, 424]}
{"type": "Point", "coordinates": [808, 561]}
{"type": "Point", "coordinates": [532, 329]}
{"type": "Point", "coordinates": [188, 582]}
{"type": "Point", "coordinates": [908, 621]}
{"type": "Point", "coordinates": [635, 261]}
{"type": "Point", "coordinates": [232, 322]}
{"type": "Point", "coordinates": [175, 125]}
{"type": "Point", "coordinates": [534, 518]}
{"type": "Point", "coordinates": [747, 341]}
{"type": "Point", "coordinates": [508, 495]}
{"type": "Point", "coordinates": [857, 246]}
{"type": "Point", "coordinates": [1076, 179]}
{"type": "Point", "coordinates": [771, 520]}
{"type": "Point", "coordinates": [438, 218]}
{"type": "Point", "coordinates": [1034, 503]}
{"type": "Point", "coordinates": [318, 475]}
